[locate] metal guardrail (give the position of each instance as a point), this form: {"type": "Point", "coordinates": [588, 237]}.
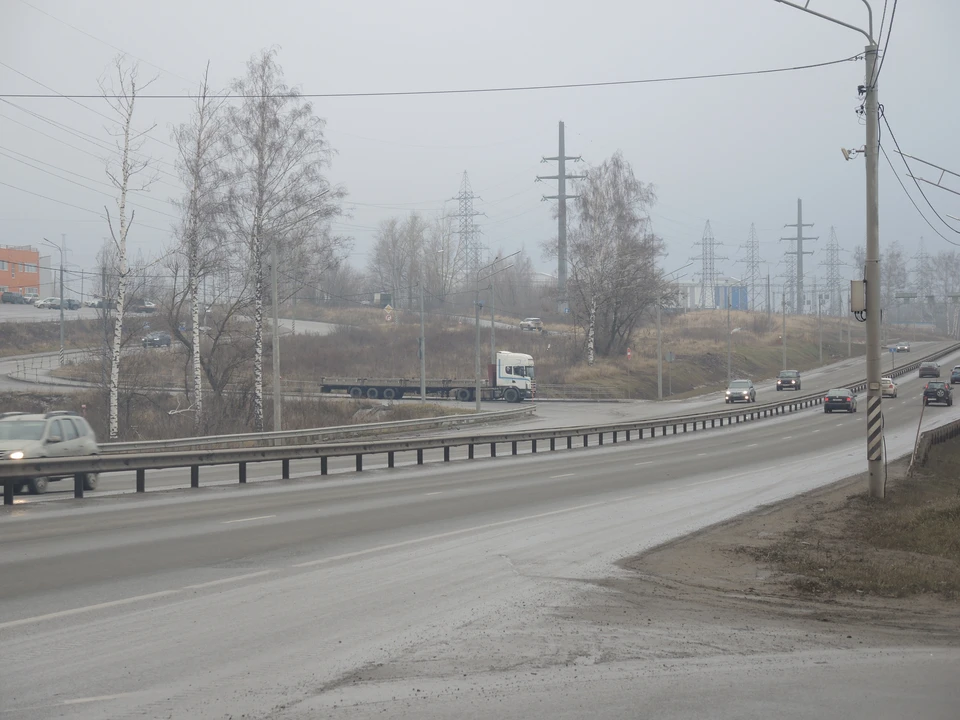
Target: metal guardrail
{"type": "Point", "coordinates": [577, 392]}
{"type": "Point", "coordinates": [929, 438]}
{"type": "Point", "coordinates": [316, 435]}
{"type": "Point", "coordinates": [16, 473]}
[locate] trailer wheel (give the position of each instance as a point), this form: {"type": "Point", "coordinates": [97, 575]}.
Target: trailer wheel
{"type": "Point", "coordinates": [356, 393]}
{"type": "Point", "coordinates": [373, 393]}
{"type": "Point", "coordinates": [463, 394]}
{"type": "Point", "coordinates": [511, 395]}
{"type": "Point", "coordinates": [389, 394]}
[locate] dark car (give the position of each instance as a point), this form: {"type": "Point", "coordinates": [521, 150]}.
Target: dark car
{"type": "Point", "coordinates": [157, 339]}
{"type": "Point", "coordinates": [71, 304]}
{"type": "Point", "coordinates": [12, 298]}
{"type": "Point", "coordinates": [955, 375]}
{"type": "Point", "coordinates": [937, 391]}
{"type": "Point", "coordinates": [741, 391]}
{"type": "Point", "coordinates": [929, 369]}
{"type": "Point", "coordinates": [788, 380]}
{"type": "Point", "coordinates": [840, 399]}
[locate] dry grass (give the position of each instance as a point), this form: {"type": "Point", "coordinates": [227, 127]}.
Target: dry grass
{"type": "Point", "coordinates": [24, 338]}
{"type": "Point", "coordinates": [904, 545]}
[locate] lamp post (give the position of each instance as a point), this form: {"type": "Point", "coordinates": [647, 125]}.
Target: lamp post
{"type": "Point", "coordinates": [60, 250]}
{"type": "Point", "coordinates": [477, 306]}
{"type": "Point", "coordinates": [659, 330]}
{"type": "Point", "coordinates": [871, 149]}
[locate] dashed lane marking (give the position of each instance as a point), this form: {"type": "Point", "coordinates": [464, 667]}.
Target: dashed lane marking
{"type": "Point", "coordinates": [557, 477]}
{"type": "Point", "coordinates": [436, 492]}
{"type": "Point", "coordinates": [647, 462]}
{"type": "Point", "coordinates": [224, 581]}
{"type": "Point", "coordinates": [88, 608]}
{"type": "Point", "coordinates": [250, 519]}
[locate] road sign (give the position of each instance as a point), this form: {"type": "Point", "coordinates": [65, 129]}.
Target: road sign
{"type": "Point", "coordinates": [388, 317]}
{"type": "Point", "coordinates": [388, 312]}
{"type": "Point", "coordinates": [629, 353]}
{"type": "Point", "coordinates": [566, 311]}
{"type": "Point", "coordinates": [671, 357]}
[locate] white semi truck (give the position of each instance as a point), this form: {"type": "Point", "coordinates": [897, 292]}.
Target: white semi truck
{"type": "Point", "coordinates": [511, 379]}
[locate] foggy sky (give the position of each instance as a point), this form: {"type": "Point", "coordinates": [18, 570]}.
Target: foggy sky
{"type": "Point", "coordinates": [734, 151]}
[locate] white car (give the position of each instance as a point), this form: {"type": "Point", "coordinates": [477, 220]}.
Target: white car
{"type": "Point", "coordinates": [30, 298]}
{"type": "Point", "coordinates": [61, 433]}
{"type": "Point", "coordinates": [888, 387]}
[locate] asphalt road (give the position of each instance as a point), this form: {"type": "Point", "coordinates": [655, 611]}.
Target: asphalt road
{"type": "Point", "coordinates": [292, 600]}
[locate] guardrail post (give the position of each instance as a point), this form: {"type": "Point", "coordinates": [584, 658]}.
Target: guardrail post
{"type": "Point", "coordinates": [446, 453]}
{"type": "Point", "coordinates": [628, 436]}
{"type": "Point", "coordinates": [78, 486]}
{"type": "Point", "coordinates": [674, 428]}
{"type": "Point", "coordinates": [285, 468]}
{"type": "Point", "coordinates": [553, 444]}
{"type": "Point", "coordinates": [419, 456]}
{"type": "Point", "coordinates": [614, 437]}
{"type": "Point", "coordinates": [141, 480]}
{"type": "Point", "coordinates": [493, 449]}
{"type": "Point", "coordinates": [470, 452]}
{"type": "Point", "coordinates": [8, 488]}
{"type": "Point", "coordinates": [601, 438]}
{"type": "Point", "coordinates": [194, 476]}
{"type": "Point", "coordinates": [533, 446]}
{"type": "Point", "coordinates": [513, 448]}
{"type": "Point", "coordinates": [569, 442]}
{"type": "Point", "coordinates": [323, 465]}
{"type": "Point", "coordinates": [359, 462]}
{"type": "Point", "coordinates": [243, 473]}
{"type": "Point", "coordinates": [585, 440]}
{"type": "Point", "coordinates": [664, 431]}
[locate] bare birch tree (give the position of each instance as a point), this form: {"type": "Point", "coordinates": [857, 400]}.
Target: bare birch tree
{"type": "Point", "coordinates": [279, 153]}
{"type": "Point", "coordinates": [120, 90]}
{"type": "Point", "coordinates": [200, 147]}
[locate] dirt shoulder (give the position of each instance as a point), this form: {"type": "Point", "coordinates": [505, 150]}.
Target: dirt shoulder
{"type": "Point", "coordinates": [879, 573]}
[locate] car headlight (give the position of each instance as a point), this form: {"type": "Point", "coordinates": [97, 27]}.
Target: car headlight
{"type": "Point", "coordinates": [18, 455]}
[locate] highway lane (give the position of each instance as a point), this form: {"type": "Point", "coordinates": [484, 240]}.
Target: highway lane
{"type": "Point", "coordinates": [271, 599]}
{"type": "Point", "coordinates": [548, 415]}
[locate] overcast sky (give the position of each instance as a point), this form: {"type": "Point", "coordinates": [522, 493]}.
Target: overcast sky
{"type": "Point", "coordinates": [734, 151]}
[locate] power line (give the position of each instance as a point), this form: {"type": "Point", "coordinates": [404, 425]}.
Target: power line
{"type": "Point", "coordinates": [912, 201]}
{"type": "Point", "coordinates": [883, 56]}
{"type": "Point", "coordinates": [462, 91]}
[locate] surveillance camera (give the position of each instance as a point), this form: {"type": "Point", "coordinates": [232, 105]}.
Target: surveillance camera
{"type": "Point", "coordinates": [846, 153]}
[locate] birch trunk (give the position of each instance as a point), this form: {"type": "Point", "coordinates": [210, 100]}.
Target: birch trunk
{"type": "Point", "coordinates": [195, 320]}
{"type": "Point", "coordinates": [257, 249]}
{"type": "Point", "coordinates": [592, 331]}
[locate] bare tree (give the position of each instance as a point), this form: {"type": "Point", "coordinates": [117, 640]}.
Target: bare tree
{"type": "Point", "coordinates": [200, 146]}
{"type": "Point", "coordinates": [445, 258]}
{"type": "Point", "coordinates": [612, 255]}
{"type": "Point", "coordinates": [120, 92]}
{"type": "Point", "coordinates": [279, 153]}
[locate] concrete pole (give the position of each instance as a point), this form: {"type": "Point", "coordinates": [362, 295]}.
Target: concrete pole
{"type": "Point", "coordinates": [659, 355]}
{"type": "Point", "coordinates": [276, 341]}
{"type": "Point", "coordinates": [874, 393]}
{"type": "Point", "coordinates": [476, 391]}
{"type": "Point", "coordinates": [423, 352]}
{"type": "Point", "coordinates": [820, 325]}
{"type": "Point", "coordinates": [783, 333]}
{"type": "Point", "coordinates": [63, 243]}
{"type": "Point", "coordinates": [493, 323]}
{"type": "Point", "coordinates": [729, 335]}
{"type": "Point", "coordinates": [562, 223]}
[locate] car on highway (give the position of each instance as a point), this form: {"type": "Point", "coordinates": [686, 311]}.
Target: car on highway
{"type": "Point", "coordinates": [929, 370]}
{"type": "Point", "coordinates": [50, 303]}
{"type": "Point", "coordinates": [531, 324]}
{"type": "Point", "coordinates": [888, 387]}
{"type": "Point", "coordinates": [141, 306]}
{"type": "Point", "coordinates": [741, 391]}
{"type": "Point", "coordinates": [104, 303]}
{"type": "Point", "coordinates": [955, 375]}
{"type": "Point", "coordinates": [157, 339]}
{"type": "Point", "coordinates": [840, 399]}
{"type": "Point", "coordinates": [788, 380]}
{"type": "Point", "coordinates": [903, 347]}
{"type": "Point", "coordinates": [30, 298]}
{"type": "Point", "coordinates": [11, 298]}
{"type": "Point", "coordinates": [71, 304]}
{"type": "Point", "coordinates": [59, 433]}
{"type": "Point", "coordinates": [937, 391]}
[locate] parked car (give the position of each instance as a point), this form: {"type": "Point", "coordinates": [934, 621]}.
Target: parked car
{"type": "Point", "coordinates": [30, 298]}
{"type": "Point", "coordinates": [12, 298]}
{"type": "Point", "coordinates": [141, 306]}
{"type": "Point", "coordinates": [888, 387]}
{"type": "Point", "coordinates": [104, 303]}
{"type": "Point", "coordinates": [741, 391]}
{"type": "Point", "coordinates": [50, 303]}
{"type": "Point", "coordinates": [840, 399]}
{"type": "Point", "coordinates": [937, 391]}
{"type": "Point", "coordinates": [71, 304]}
{"type": "Point", "coordinates": [531, 324]}
{"type": "Point", "coordinates": [903, 347]}
{"type": "Point", "coordinates": [61, 433]}
{"type": "Point", "coordinates": [157, 339]}
{"type": "Point", "coordinates": [955, 375]}
{"type": "Point", "coordinates": [929, 369]}
{"type": "Point", "coordinates": [788, 380]}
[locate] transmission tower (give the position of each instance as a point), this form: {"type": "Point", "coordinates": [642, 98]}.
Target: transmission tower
{"type": "Point", "coordinates": [752, 277]}
{"type": "Point", "coordinates": [834, 284]}
{"type": "Point", "coordinates": [708, 268]}
{"type": "Point", "coordinates": [469, 231]}
{"type": "Point", "coordinates": [921, 276]}
{"type": "Point", "coordinates": [788, 280]}
{"type": "Point", "coordinates": [798, 254]}
{"type": "Point", "coordinates": [561, 197]}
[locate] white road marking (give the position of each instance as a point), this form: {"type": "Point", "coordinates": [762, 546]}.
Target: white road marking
{"type": "Point", "coordinates": [557, 477]}
{"type": "Point", "coordinates": [628, 497]}
{"type": "Point", "coordinates": [788, 437]}
{"type": "Point", "coordinates": [700, 454]}
{"type": "Point", "coordinates": [259, 517]}
{"type": "Point", "coordinates": [441, 536]}
{"type": "Point", "coordinates": [730, 477]}
{"type": "Point", "coordinates": [98, 698]}
{"type": "Point", "coordinates": [224, 581]}
{"type": "Point", "coordinates": [648, 462]}
{"type": "Point", "coordinates": [437, 492]}
{"type": "Point", "coordinates": [753, 445]}
{"type": "Point", "coordinates": [88, 608]}
{"type": "Point", "coordinates": [816, 431]}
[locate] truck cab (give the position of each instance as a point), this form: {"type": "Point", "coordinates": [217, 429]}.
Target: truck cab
{"type": "Point", "coordinates": [513, 371]}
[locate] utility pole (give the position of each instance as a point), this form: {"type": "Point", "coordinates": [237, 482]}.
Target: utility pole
{"type": "Point", "coordinates": [63, 241]}
{"type": "Point", "coordinates": [277, 395]}
{"type": "Point", "coordinates": [783, 332]}
{"type": "Point", "coordinates": [561, 197]}
{"type": "Point", "coordinates": [729, 336]}
{"type": "Point", "coordinates": [493, 322]}
{"type": "Point", "coordinates": [423, 350]}
{"type": "Point", "coordinates": [769, 305]}
{"type": "Point", "coordinates": [477, 306]}
{"type": "Point", "coordinates": [799, 253]}
{"type": "Point", "coordinates": [105, 309]}
{"type": "Point", "coordinates": [877, 478]}
{"type": "Point", "coordinates": [819, 320]}
{"type": "Point", "coordinates": [659, 354]}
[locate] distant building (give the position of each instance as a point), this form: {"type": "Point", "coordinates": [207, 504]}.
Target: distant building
{"type": "Point", "coordinates": [19, 268]}
{"type": "Point", "coordinates": [48, 287]}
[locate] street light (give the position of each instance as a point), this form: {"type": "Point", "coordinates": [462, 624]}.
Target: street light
{"type": "Point", "coordinates": [659, 331]}
{"type": "Point", "coordinates": [871, 151]}
{"type": "Point", "coordinates": [423, 339]}
{"type": "Point", "coordinates": [477, 306]}
{"type": "Point", "coordinates": [60, 250]}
